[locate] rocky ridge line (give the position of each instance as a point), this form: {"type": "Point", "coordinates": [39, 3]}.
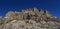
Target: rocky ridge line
{"type": "Point", "coordinates": [30, 19]}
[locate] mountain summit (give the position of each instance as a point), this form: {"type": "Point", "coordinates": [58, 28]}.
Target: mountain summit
{"type": "Point", "coordinates": [30, 19]}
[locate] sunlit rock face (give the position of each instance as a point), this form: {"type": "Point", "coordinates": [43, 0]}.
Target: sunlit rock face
{"type": "Point", "coordinates": [30, 19]}
{"type": "Point", "coordinates": [31, 24]}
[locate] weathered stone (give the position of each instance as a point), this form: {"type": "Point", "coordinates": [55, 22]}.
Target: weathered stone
{"type": "Point", "coordinates": [30, 19]}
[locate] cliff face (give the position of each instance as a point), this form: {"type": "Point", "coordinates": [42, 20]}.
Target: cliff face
{"type": "Point", "coordinates": [30, 19]}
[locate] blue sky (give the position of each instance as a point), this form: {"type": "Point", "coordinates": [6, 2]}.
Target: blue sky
{"type": "Point", "coordinates": [17, 5]}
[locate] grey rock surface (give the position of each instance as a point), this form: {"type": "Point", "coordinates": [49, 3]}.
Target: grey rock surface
{"type": "Point", "coordinates": [30, 19]}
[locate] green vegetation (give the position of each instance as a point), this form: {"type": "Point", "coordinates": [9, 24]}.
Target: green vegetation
{"type": "Point", "coordinates": [27, 21]}
{"type": "Point", "coordinates": [8, 21]}
{"type": "Point", "coordinates": [59, 28]}
{"type": "Point", "coordinates": [1, 22]}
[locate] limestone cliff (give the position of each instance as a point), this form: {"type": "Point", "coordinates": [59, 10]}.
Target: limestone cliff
{"type": "Point", "coordinates": [30, 19]}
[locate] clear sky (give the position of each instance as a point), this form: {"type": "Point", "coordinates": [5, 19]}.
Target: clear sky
{"type": "Point", "coordinates": [17, 5]}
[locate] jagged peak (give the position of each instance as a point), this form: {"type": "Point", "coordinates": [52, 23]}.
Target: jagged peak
{"type": "Point", "coordinates": [35, 9]}
{"type": "Point", "coordinates": [35, 20]}
{"type": "Point", "coordinates": [42, 11]}
{"type": "Point", "coordinates": [47, 12]}
{"type": "Point", "coordinates": [30, 11]}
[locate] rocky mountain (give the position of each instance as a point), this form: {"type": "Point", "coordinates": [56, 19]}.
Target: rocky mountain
{"type": "Point", "coordinates": [30, 19]}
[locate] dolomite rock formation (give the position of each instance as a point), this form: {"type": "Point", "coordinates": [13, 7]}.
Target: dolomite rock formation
{"type": "Point", "coordinates": [30, 19]}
